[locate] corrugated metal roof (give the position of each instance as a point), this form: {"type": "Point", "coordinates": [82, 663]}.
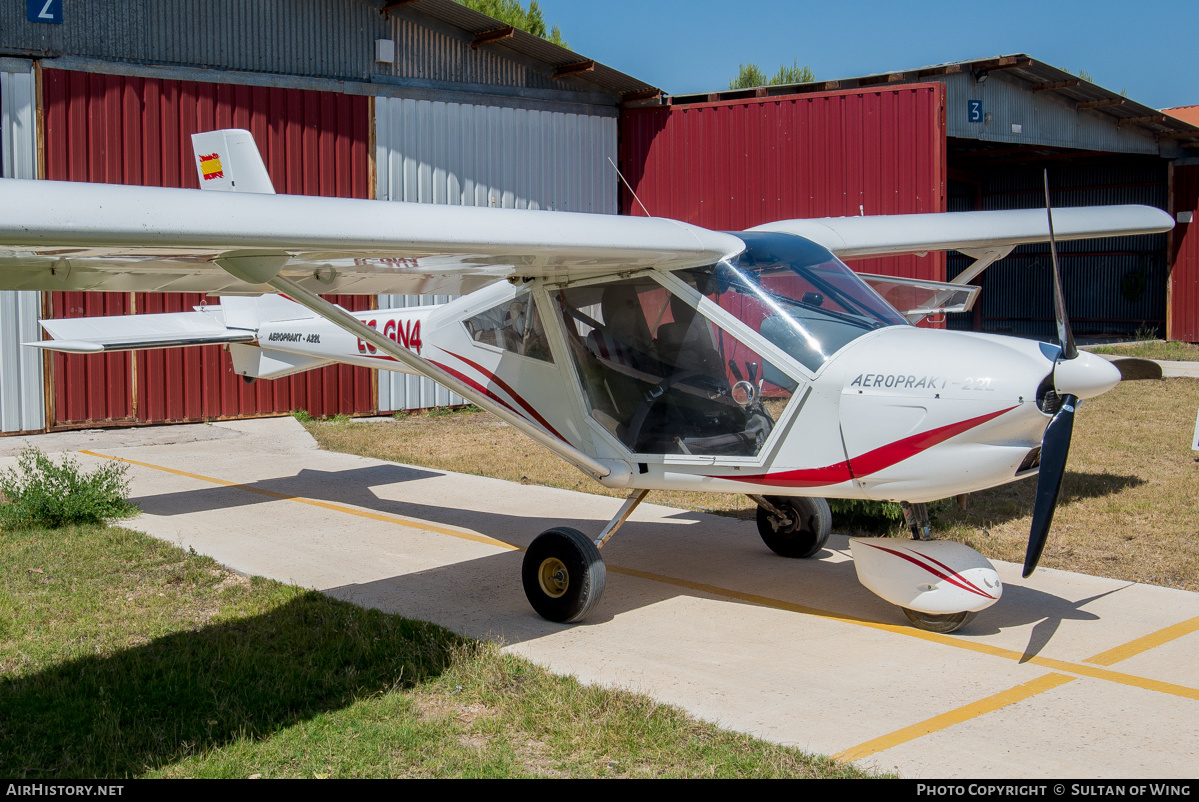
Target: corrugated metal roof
{"type": "Point", "coordinates": [1188, 114]}
{"type": "Point", "coordinates": [1036, 77]}
{"type": "Point", "coordinates": [556, 59]}
{"type": "Point", "coordinates": [328, 39]}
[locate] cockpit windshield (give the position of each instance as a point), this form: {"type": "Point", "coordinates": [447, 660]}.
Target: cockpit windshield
{"type": "Point", "coordinates": [797, 294]}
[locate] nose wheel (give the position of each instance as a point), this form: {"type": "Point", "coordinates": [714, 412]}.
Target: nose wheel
{"type": "Point", "coordinates": [930, 622]}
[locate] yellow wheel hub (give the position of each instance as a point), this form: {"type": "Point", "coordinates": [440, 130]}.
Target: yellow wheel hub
{"type": "Point", "coordinates": [553, 577]}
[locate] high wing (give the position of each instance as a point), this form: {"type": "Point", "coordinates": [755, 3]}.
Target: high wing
{"type": "Point", "coordinates": [100, 237]}
{"type": "Point", "coordinates": [970, 232]}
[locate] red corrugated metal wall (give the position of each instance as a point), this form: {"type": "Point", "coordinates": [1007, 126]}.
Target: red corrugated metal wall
{"type": "Point", "coordinates": [124, 130]}
{"type": "Point", "coordinates": [732, 165]}
{"type": "Point", "coordinates": [1182, 321]}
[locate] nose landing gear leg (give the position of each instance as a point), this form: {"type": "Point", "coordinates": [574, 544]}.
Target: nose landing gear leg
{"type": "Point", "coordinates": [916, 517]}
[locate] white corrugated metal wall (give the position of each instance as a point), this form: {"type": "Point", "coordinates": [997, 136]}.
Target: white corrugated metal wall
{"type": "Point", "coordinates": [478, 155]}
{"type": "Point", "coordinates": [22, 403]}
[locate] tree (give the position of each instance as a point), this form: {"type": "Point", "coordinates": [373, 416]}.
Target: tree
{"type": "Point", "coordinates": [751, 75]}
{"type": "Point", "coordinates": [515, 14]}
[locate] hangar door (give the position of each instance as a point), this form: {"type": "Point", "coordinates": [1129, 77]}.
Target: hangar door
{"type": "Point", "coordinates": [734, 164]}
{"type": "Point", "coordinates": [128, 130]}
{"type": "Point", "coordinates": [464, 154]}
{"type": "Point", "coordinates": [1183, 320]}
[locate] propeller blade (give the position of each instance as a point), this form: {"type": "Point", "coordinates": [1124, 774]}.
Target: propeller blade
{"type": "Point", "coordinates": [1055, 447]}
{"type": "Point", "coordinates": [1065, 337]}
{"type": "Point", "coordinates": [1133, 368]}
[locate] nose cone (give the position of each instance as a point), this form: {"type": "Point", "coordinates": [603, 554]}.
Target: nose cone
{"type": "Point", "coordinates": [1085, 376]}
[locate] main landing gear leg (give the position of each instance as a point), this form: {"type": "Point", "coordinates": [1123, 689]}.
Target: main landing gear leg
{"type": "Point", "coordinates": [563, 573]}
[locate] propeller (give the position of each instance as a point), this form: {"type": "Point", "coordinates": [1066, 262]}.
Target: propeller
{"type": "Point", "coordinates": [1135, 369]}
{"type": "Point", "coordinates": [1055, 444]}
{"type": "Point", "coordinates": [1075, 375]}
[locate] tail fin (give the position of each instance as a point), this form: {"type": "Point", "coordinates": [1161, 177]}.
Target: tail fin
{"type": "Point", "coordinates": [229, 161]}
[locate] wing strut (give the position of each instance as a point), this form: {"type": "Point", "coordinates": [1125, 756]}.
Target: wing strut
{"type": "Point", "coordinates": [983, 258]}
{"type": "Point", "coordinates": [340, 317]}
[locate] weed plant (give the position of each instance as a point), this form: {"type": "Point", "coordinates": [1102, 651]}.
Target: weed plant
{"type": "Point", "coordinates": [40, 492]}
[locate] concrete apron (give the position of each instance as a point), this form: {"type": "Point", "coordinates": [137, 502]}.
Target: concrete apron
{"type": "Point", "coordinates": [1067, 676]}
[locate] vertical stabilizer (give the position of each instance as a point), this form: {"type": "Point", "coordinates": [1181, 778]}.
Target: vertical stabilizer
{"type": "Point", "coordinates": [229, 161]}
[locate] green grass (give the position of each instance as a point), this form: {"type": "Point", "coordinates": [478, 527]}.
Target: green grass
{"type": "Point", "coordinates": [123, 656]}
{"type": "Point", "coordinates": [1157, 349]}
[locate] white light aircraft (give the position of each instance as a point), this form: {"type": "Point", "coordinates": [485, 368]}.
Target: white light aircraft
{"type": "Point", "coordinates": [649, 353]}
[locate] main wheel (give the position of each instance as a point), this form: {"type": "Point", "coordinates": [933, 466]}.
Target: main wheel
{"type": "Point", "coordinates": [805, 534]}
{"type": "Point", "coordinates": [563, 574]}
{"type": "Point", "coordinates": [930, 622]}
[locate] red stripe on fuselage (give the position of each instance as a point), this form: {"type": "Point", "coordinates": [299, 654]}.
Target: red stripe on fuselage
{"type": "Point", "coordinates": [868, 463]}
{"type": "Point", "coordinates": [503, 385]}
{"type": "Point", "coordinates": [886, 456]}
{"type": "Point", "coordinates": [472, 383]}
{"type": "Point", "coordinates": [462, 377]}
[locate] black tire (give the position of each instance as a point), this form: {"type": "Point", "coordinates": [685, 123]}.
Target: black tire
{"type": "Point", "coordinates": [938, 623]}
{"type": "Point", "coordinates": [563, 575]}
{"type": "Point", "coordinates": [811, 524]}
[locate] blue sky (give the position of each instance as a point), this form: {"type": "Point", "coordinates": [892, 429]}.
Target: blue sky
{"type": "Point", "coordinates": [1151, 49]}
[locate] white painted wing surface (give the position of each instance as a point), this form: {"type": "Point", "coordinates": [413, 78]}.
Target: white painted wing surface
{"type": "Point", "coordinates": [883, 235]}
{"type": "Point", "coordinates": [75, 236]}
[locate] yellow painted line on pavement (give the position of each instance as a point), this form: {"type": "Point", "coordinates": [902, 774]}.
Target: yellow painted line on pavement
{"type": "Point", "coordinates": [1078, 669]}
{"type": "Point", "coordinates": [328, 505]}
{"type": "Point", "coordinates": [1028, 690]}
{"type": "Point", "coordinates": [1153, 640]}
{"type": "Point", "coordinates": [961, 714]}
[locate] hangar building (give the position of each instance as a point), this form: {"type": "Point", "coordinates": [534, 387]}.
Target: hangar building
{"type": "Point", "coordinates": [423, 100]}
{"type": "Point", "coordinates": [952, 137]}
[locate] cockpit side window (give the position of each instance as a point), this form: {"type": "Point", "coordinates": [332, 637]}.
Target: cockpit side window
{"type": "Point", "coordinates": [514, 326]}
{"type": "Point", "coordinates": [661, 377]}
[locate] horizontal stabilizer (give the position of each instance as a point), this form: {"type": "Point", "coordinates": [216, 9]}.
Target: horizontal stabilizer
{"type": "Point", "coordinates": [885, 235]}
{"type": "Point", "coordinates": [90, 335]}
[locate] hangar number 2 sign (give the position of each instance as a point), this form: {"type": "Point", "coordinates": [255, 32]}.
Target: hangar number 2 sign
{"type": "Point", "coordinates": [48, 11]}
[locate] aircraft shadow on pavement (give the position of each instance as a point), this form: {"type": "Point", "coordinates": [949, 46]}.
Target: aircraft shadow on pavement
{"type": "Point", "coordinates": [483, 596]}
{"type": "Point", "coordinates": [1022, 605]}
{"type": "Point", "coordinates": [345, 487]}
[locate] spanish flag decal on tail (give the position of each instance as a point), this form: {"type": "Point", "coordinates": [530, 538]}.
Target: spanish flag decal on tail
{"type": "Point", "coordinates": [210, 166]}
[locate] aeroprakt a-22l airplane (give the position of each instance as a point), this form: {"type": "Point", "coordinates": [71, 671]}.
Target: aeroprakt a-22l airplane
{"type": "Point", "coordinates": [649, 353]}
